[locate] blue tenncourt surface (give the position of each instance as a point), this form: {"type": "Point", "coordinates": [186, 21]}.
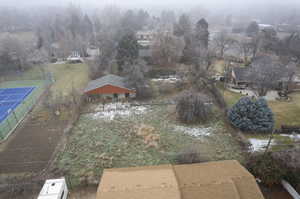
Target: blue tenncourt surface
{"type": "Point", "coordinates": [11, 98]}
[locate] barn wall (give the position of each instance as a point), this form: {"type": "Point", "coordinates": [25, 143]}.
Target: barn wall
{"type": "Point", "coordinates": [109, 89]}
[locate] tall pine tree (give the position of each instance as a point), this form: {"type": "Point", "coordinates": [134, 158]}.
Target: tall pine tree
{"type": "Point", "coordinates": [127, 50]}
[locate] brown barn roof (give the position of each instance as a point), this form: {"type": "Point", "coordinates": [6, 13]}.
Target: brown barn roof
{"type": "Point", "coordinates": [113, 80]}
{"type": "Point", "coordinates": [216, 180]}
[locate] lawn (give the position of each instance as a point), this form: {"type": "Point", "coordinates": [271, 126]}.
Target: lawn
{"type": "Point", "coordinates": [22, 83]}
{"type": "Point", "coordinates": [231, 98]}
{"type": "Point", "coordinates": [97, 143]}
{"type": "Point", "coordinates": [67, 77]}
{"type": "Point", "coordinates": [219, 67]}
{"type": "Point", "coordinates": [32, 73]}
{"type": "Point", "coordinates": [287, 113]}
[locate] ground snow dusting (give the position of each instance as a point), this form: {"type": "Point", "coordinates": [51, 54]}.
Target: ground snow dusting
{"type": "Point", "coordinates": [295, 137]}
{"type": "Point", "coordinates": [120, 110]}
{"type": "Point", "coordinates": [259, 144]}
{"type": "Point", "coordinates": [170, 79]}
{"type": "Point", "coordinates": [196, 132]}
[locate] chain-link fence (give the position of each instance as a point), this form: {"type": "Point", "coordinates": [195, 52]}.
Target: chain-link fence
{"type": "Point", "coordinates": [18, 114]}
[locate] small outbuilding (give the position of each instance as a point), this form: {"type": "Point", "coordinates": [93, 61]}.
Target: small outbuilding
{"type": "Point", "coordinates": [109, 86]}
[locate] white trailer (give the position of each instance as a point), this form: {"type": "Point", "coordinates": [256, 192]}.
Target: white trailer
{"type": "Point", "coordinates": [54, 189]}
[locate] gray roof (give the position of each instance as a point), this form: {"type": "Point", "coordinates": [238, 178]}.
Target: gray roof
{"type": "Point", "coordinates": [113, 80]}
{"type": "Point", "coordinates": [242, 74]}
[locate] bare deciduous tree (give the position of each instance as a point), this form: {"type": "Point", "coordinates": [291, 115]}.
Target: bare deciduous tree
{"type": "Point", "coordinates": [223, 42]}
{"type": "Point", "coordinates": [135, 78]}
{"type": "Point", "coordinates": [14, 53]}
{"type": "Point", "coordinates": [191, 108]}
{"type": "Point", "coordinates": [266, 73]}
{"type": "Point", "coordinates": [246, 48]}
{"type": "Point", "coordinates": [167, 49]}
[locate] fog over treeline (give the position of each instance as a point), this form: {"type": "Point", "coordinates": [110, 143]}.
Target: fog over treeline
{"type": "Point", "coordinates": [266, 11]}
{"type": "Point", "coordinates": [55, 28]}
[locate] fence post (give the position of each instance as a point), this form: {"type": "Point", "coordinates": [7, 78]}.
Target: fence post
{"type": "Point", "coordinates": [14, 113]}
{"type": "Point", "coordinates": [8, 124]}
{"type": "Point", "coordinates": [269, 142]}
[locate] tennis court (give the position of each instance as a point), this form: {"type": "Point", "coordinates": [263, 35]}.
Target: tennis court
{"type": "Point", "coordinates": [11, 98]}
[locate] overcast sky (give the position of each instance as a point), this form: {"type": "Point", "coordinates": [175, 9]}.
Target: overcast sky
{"type": "Point", "coordinates": [142, 2]}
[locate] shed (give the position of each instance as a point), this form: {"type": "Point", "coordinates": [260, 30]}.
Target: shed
{"type": "Point", "coordinates": [109, 86]}
{"type": "Point", "coordinates": [215, 180]}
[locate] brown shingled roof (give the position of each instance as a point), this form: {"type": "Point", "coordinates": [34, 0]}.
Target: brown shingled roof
{"type": "Point", "coordinates": [216, 180]}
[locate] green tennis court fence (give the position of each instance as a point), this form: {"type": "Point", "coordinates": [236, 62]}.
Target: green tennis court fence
{"type": "Point", "coordinates": [16, 116]}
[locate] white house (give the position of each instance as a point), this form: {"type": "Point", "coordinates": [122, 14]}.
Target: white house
{"type": "Point", "coordinates": [75, 57]}
{"type": "Point", "coordinates": [145, 38]}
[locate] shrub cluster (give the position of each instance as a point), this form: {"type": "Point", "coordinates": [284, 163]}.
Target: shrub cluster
{"type": "Point", "coordinates": [191, 108]}
{"type": "Point", "coordinates": [268, 169]}
{"type": "Point", "coordinates": [251, 115]}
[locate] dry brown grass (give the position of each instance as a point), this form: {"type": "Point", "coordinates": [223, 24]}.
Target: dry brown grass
{"type": "Point", "coordinates": [67, 77]}
{"type": "Point", "coordinates": [287, 113]}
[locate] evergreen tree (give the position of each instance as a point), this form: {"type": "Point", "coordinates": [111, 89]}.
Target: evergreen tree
{"type": "Point", "coordinates": [253, 29]}
{"type": "Point", "coordinates": [127, 50]}
{"type": "Point", "coordinates": [183, 27]}
{"type": "Point", "coordinates": [129, 22]}
{"type": "Point", "coordinates": [189, 55]}
{"type": "Point", "coordinates": [252, 115]}
{"type": "Point", "coordinates": [142, 18]}
{"type": "Point", "coordinates": [202, 34]}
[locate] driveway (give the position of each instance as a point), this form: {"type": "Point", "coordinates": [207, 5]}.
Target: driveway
{"type": "Point", "coordinates": [271, 95]}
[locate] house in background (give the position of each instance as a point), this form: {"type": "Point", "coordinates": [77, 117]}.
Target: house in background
{"type": "Point", "coordinates": [109, 86]}
{"type": "Point", "coordinates": [74, 58]}
{"type": "Point", "coordinates": [265, 26]}
{"type": "Point", "coordinates": [240, 77]}
{"type": "Point", "coordinates": [145, 38]}
{"type": "Point", "coordinates": [93, 51]}
{"type": "Point", "coordinates": [212, 180]}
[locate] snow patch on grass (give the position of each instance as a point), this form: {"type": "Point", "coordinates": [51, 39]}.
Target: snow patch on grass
{"type": "Point", "coordinates": [259, 144]}
{"type": "Point", "coordinates": [117, 110]}
{"type": "Point", "coordinates": [170, 79]}
{"type": "Point", "coordinates": [295, 137]}
{"type": "Point", "coordinates": [196, 131]}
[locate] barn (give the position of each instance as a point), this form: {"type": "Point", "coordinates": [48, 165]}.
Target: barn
{"type": "Point", "coordinates": [109, 86]}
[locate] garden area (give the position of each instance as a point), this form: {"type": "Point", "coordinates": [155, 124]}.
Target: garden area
{"type": "Point", "coordinates": [121, 135]}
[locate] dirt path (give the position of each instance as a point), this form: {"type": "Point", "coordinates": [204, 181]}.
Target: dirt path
{"type": "Point", "coordinates": [31, 146]}
{"type": "Point", "coordinates": [30, 149]}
